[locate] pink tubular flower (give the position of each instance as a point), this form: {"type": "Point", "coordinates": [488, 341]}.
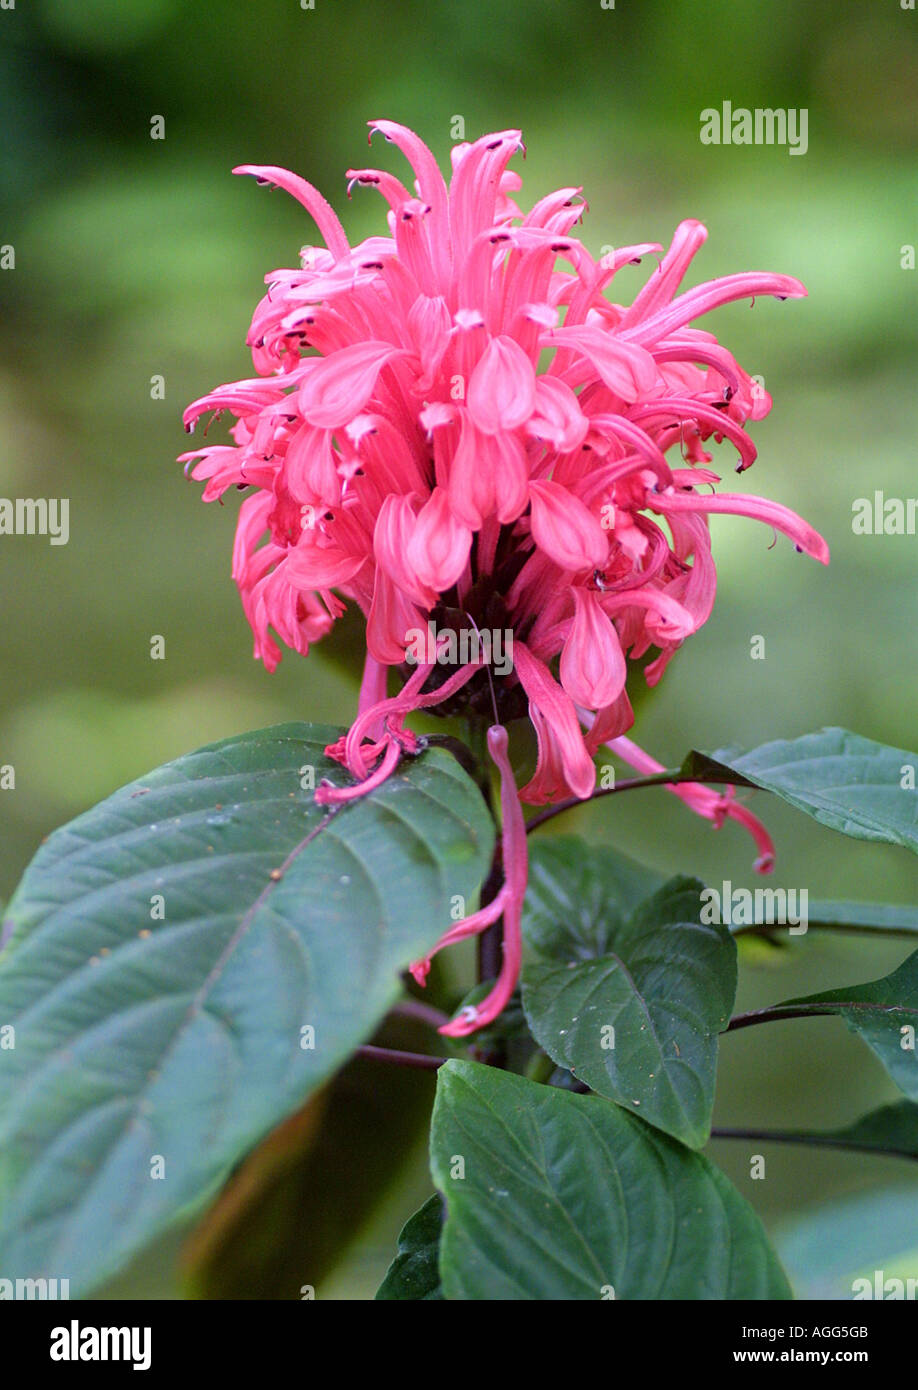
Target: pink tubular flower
{"type": "Point", "coordinates": [454, 424]}
{"type": "Point", "coordinates": [716, 806]}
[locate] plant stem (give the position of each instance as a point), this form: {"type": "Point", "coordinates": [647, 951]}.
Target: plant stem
{"type": "Point", "coordinates": [790, 1136]}
{"type": "Point", "coordinates": [851, 928]}
{"type": "Point", "coordinates": [421, 1060]}
{"type": "Point", "coordinates": [541, 1068]}
{"type": "Point", "coordinates": [771, 1015]}
{"type": "Point", "coordinates": [658, 779]}
{"type": "Point", "coordinates": [423, 1013]}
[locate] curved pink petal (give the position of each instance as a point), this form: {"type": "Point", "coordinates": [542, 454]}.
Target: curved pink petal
{"type": "Point", "coordinates": [321, 211]}
{"type": "Point", "coordinates": [438, 548]}
{"type": "Point", "coordinates": [561, 725]}
{"type": "Point", "coordinates": [502, 389]}
{"type": "Point", "coordinates": [395, 526]}
{"type": "Point", "coordinates": [705, 801]}
{"type": "Point", "coordinates": [393, 616]}
{"type": "Point", "coordinates": [564, 528]}
{"type": "Point", "coordinates": [340, 386]}
{"type": "Point", "coordinates": [592, 662]}
{"type": "Point", "coordinates": [624, 367]}
{"type": "Point", "coordinates": [758, 508]}
{"type": "Point", "coordinates": [663, 282]}
{"type": "Point", "coordinates": [557, 418]}
{"type": "Point", "coordinates": [515, 857]}
{"type": "Point", "coordinates": [475, 185]}
{"type": "Point", "coordinates": [711, 295]}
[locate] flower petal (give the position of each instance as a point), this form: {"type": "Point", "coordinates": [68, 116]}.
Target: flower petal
{"type": "Point", "coordinates": [502, 389]}
{"type": "Point", "coordinates": [561, 728]}
{"type": "Point", "coordinates": [592, 663]}
{"type": "Point", "coordinates": [340, 385]}
{"type": "Point", "coordinates": [564, 528]}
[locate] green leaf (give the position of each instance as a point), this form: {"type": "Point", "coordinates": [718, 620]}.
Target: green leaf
{"type": "Point", "coordinates": [628, 991]}
{"type": "Point", "coordinates": [883, 1012]}
{"type": "Point", "coordinates": [415, 1272]}
{"type": "Point", "coordinates": [880, 919]}
{"type": "Point", "coordinates": [853, 1248]}
{"type": "Point", "coordinates": [558, 1196]}
{"type": "Point", "coordinates": [573, 887]}
{"type": "Point", "coordinates": [892, 1129]}
{"type": "Point", "coordinates": [168, 950]}
{"type": "Point", "coordinates": [892, 919]}
{"type": "Point", "coordinates": [846, 782]}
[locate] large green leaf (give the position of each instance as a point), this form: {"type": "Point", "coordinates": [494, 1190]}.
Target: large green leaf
{"type": "Point", "coordinates": [552, 1195]}
{"type": "Point", "coordinates": [577, 891]}
{"type": "Point", "coordinates": [883, 1012]}
{"type": "Point", "coordinates": [849, 783]}
{"type": "Point", "coordinates": [414, 1274]}
{"type": "Point", "coordinates": [628, 991]}
{"type": "Point", "coordinates": [147, 1046]}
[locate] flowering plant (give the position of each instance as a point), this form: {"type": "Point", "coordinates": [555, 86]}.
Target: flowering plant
{"type": "Point", "coordinates": [457, 430]}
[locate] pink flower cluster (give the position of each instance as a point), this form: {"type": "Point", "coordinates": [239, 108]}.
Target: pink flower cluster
{"type": "Point", "coordinates": [455, 419]}
{"type": "Point", "coordinates": [458, 409]}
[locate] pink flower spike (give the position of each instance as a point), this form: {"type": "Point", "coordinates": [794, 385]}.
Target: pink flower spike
{"type": "Point", "coordinates": [410, 452]}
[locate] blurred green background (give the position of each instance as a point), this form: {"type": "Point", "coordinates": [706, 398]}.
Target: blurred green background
{"type": "Point", "coordinates": [137, 258]}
